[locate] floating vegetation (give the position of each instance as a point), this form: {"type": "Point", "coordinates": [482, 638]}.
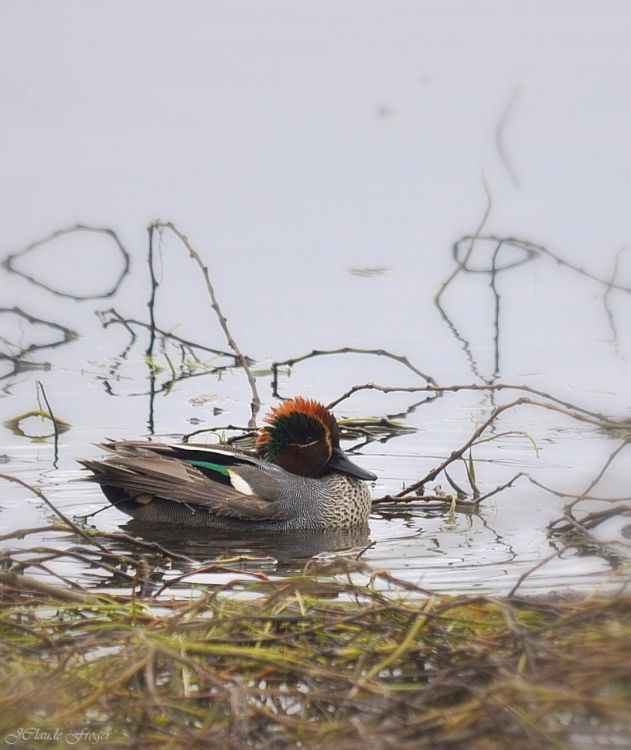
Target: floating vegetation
{"type": "Point", "coordinates": [14, 424]}
{"type": "Point", "coordinates": [368, 272]}
{"type": "Point", "coordinates": [372, 427]}
{"type": "Point", "coordinates": [312, 661]}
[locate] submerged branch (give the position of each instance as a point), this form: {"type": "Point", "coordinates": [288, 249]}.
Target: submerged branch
{"type": "Point", "coordinates": [77, 228]}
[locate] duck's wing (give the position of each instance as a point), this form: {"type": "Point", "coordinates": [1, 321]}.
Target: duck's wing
{"type": "Point", "coordinates": [226, 483]}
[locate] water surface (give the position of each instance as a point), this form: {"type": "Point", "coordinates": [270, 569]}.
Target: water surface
{"type": "Point", "coordinates": [324, 161]}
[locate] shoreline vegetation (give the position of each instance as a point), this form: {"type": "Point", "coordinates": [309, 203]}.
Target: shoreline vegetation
{"type": "Point", "coordinates": [312, 660]}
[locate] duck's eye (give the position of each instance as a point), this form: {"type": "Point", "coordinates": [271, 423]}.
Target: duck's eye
{"type": "Point", "coordinates": [307, 439]}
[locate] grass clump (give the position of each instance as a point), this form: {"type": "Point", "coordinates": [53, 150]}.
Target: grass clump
{"type": "Point", "coordinates": [314, 663]}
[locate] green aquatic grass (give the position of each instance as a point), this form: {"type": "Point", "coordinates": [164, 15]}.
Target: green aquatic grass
{"type": "Point", "coordinates": [313, 662]}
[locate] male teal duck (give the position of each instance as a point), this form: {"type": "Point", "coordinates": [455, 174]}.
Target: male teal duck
{"type": "Point", "coordinates": [298, 477]}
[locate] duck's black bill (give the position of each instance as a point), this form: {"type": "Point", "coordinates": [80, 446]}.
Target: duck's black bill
{"type": "Point", "coordinates": [341, 462]}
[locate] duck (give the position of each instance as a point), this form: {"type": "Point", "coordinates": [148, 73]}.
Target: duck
{"type": "Point", "coordinates": [297, 477]}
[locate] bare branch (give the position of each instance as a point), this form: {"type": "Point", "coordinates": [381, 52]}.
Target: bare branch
{"type": "Point", "coordinates": [256, 401]}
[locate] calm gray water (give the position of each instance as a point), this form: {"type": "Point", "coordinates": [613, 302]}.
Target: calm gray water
{"type": "Point", "coordinates": [323, 159]}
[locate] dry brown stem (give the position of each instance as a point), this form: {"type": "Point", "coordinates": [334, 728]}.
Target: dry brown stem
{"type": "Point", "coordinates": [256, 401]}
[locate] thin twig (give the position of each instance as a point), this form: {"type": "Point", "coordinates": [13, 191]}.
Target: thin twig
{"type": "Point", "coordinates": [256, 401]}
{"type": "Point", "coordinates": [214, 567]}
{"type": "Point", "coordinates": [345, 350]}
{"type": "Point", "coordinates": [536, 567]}
{"type": "Point", "coordinates": [498, 489]}
{"type": "Point", "coordinates": [127, 323]}
{"type": "Point", "coordinates": [77, 529]}
{"type": "Point", "coordinates": [602, 472]}
{"type": "Point", "coordinates": [568, 517]}
{"type": "Point", "coordinates": [532, 250]}
{"type": "Point", "coordinates": [597, 418]}
{"type": "Point", "coordinates": [610, 318]}
{"type": "Point", "coordinates": [499, 135]}
{"type": "Point", "coordinates": [462, 264]}
{"type": "Point", "coordinates": [52, 419]}
{"type": "Point", "coordinates": [454, 455]}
